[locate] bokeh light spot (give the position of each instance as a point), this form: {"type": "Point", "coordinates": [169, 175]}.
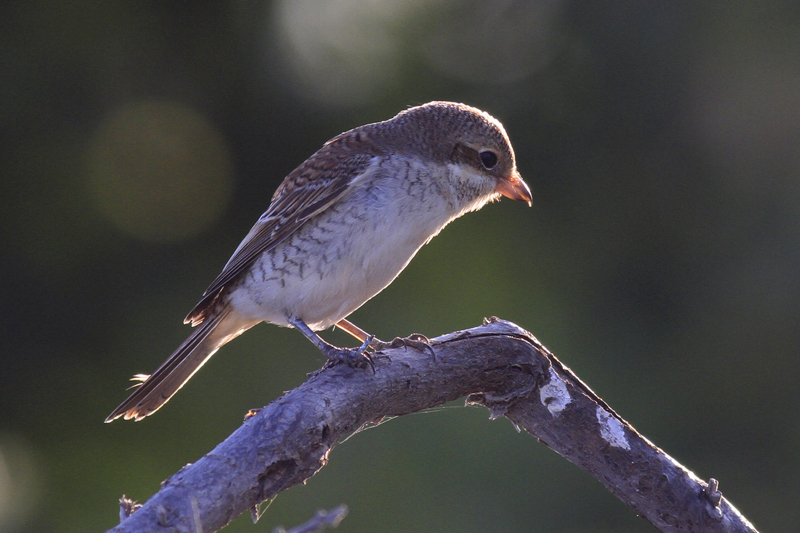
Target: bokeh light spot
{"type": "Point", "coordinates": [342, 52]}
{"type": "Point", "coordinates": [159, 171]}
{"type": "Point", "coordinates": [351, 52]}
{"type": "Point", "coordinates": [19, 486]}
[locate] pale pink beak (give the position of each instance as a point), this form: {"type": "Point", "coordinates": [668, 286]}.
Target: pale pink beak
{"type": "Point", "coordinates": [514, 188]}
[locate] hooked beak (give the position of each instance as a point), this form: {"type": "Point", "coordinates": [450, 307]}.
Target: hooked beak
{"type": "Point", "coordinates": [514, 188]}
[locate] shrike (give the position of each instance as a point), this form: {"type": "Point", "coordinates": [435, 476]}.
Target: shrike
{"type": "Point", "coordinates": [339, 229]}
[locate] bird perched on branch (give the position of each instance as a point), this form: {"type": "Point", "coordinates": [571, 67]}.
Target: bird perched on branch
{"type": "Point", "coordinates": [339, 229]}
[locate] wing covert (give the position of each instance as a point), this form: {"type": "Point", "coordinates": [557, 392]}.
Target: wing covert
{"type": "Point", "coordinates": [308, 190]}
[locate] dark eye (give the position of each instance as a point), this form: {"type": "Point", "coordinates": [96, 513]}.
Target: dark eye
{"type": "Point", "coordinates": [489, 159]}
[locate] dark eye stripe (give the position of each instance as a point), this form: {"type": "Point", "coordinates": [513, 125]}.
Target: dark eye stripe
{"type": "Point", "coordinates": [484, 160]}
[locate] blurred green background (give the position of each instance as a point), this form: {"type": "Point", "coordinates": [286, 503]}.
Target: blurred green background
{"type": "Point", "coordinates": [661, 259]}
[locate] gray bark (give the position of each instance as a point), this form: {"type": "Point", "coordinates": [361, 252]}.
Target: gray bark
{"type": "Point", "coordinates": [498, 365]}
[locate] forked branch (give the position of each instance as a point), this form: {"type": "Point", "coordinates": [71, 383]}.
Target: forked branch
{"type": "Point", "coordinates": [498, 365]}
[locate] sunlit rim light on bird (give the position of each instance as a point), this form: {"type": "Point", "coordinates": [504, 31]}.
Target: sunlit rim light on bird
{"type": "Point", "coordinates": [339, 229]}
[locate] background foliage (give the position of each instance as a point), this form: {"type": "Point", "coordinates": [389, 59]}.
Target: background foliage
{"type": "Point", "coordinates": [140, 141]}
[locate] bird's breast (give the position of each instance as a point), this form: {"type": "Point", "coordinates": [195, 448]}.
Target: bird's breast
{"type": "Point", "coordinates": [346, 255]}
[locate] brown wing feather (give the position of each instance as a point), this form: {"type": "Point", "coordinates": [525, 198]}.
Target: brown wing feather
{"type": "Point", "coordinates": [309, 189]}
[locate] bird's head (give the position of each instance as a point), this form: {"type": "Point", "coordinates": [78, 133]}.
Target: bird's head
{"type": "Point", "coordinates": [472, 141]}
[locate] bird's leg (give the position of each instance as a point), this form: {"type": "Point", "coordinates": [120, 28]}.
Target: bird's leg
{"type": "Point", "coordinates": [352, 357]}
{"type": "Point", "coordinates": [348, 327]}
{"type": "Point", "coordinates": [415, 340]}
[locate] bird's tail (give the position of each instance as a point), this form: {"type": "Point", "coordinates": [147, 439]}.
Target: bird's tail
{"type": "Point", "coordinates": [156, 389]}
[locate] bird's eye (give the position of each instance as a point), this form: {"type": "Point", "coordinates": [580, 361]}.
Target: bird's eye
{"type": "Point", "coordinates": [489, 159]}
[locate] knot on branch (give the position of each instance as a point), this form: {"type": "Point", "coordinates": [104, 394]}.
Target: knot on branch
{"type": "Point", "coordinates": [523, 380]}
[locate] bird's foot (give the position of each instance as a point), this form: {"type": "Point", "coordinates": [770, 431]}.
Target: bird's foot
{"type": "Point", "coordinates": [352, 357]}
{"type": "Point", "coordinates": [415, 340]}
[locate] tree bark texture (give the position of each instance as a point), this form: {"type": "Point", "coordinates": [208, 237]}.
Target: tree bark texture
{"type": "Point", "coordinates": [498, 365]}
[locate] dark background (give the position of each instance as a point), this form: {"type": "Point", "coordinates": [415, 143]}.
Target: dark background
{"type": "Point", "coordinates": [141, 140]}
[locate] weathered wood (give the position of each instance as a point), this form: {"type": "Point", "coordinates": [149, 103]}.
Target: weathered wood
{"type": "Point", "coordinates": [498, 365]}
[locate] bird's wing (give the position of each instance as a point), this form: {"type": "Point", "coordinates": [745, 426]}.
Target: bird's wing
{"type": "Point", "coordinates": [310, 189]}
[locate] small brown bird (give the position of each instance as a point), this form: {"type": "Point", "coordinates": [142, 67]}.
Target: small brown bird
{"type": "Point", "coordinates": [339, 229]}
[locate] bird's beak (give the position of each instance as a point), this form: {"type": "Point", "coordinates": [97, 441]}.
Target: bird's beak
{"type": "Point", "coordinates": [514, 188]}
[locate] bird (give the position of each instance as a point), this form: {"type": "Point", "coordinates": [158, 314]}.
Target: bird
{"type": "Point", "coordinates": [338, 230]}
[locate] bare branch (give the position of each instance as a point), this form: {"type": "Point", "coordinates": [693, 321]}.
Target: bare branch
{"type": "Point", "coordinates": [498, 365]}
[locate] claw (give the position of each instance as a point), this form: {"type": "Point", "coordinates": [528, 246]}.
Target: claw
{"type": "Point", "coordinates": [370, 362]}
{"type": "Point", "coordinates": [353, 357]}
{"type": "Point", "coordinates": [421, 343]}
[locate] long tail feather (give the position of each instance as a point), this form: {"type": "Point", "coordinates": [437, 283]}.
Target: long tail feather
{"type": "Point", "coordinates": [156, 390]}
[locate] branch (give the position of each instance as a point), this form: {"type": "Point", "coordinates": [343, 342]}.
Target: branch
{"type": "Point", "coordinates": [498, 365]}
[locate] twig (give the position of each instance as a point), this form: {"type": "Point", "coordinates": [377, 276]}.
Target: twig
{"type": "Point", "coordinates": [320, 521]}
